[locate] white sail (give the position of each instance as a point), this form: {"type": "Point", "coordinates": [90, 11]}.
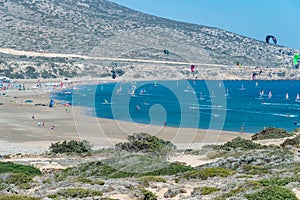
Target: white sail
{"type": "Point", "coordinates": [270, 95]}
{"type": "Point", "coordinates": [297, 98]}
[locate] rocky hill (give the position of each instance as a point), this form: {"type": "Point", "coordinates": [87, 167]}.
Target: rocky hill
{"type": "Point", "coordinates": [99, 28]}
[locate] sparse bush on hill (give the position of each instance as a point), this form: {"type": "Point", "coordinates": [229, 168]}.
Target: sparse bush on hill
{"type": "Point", "coordinates": [271, 133]}
{"type": "Point", "coordinates": [145, 143]}
{"type": "Point", "coordinates": [71, 146]}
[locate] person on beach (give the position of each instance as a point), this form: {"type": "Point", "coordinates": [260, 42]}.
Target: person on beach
{"type": "Point", "coordinates": [32, 116]}
{"type": "Point", "coordinates": [242, 129]}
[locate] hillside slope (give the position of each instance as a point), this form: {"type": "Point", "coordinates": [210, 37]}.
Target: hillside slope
{"type": "Point", "coordinates": [101, 28]}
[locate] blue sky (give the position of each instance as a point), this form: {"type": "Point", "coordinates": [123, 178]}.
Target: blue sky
{"type": "Point", "coordinates": [251, 18]}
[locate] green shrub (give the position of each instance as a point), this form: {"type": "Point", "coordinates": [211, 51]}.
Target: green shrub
{"type": "Point", "coordinates": [17, 197]}
{"type": "Point", "coordinates": [53, 196]}
{"type": "Point", "coordinates": [72, 146]}
{"type": "Point", "coordinates": [270, 193]}
{"type": "Point", "coordinates": [170, 169]}
{"type": "Point", "coordinates": [147, 179]}
{"type": "Point", "coordinates": [90, 181]}
{"type": "Point", "coordinates": [78, 193]}
{"type": "Point", "coordinates": [198, 191]}
{"type": "Point", "coordinates": [84, 180]}
{"type": "Point", "coordinates": [255, 169]}
{"type": "Point", "coordinates": [238, 143]}
{"type": "Point", "coordinates": [125, 166]}
{"type": "Point", "coordinates": [244, 176]}
{"type": "Point", "coordinates": [271, 133]}
{"type": "Point", "coordinates": [208, 190]}
{"type": "Point", "coordinates": [249, 185]}
{"type": "Point", "coordinates": [277, 181]}
{"type": "Point", "coordinates": [9, 167]}
{"type": "Point", "coordinates": [208, 172]}
{"type": "Point", "coordinates": [97, 182]}
{"type": "Point", "coordinates": [145, 143]}
{"type": "Point", "coordinates": [21, 180]}
{"type": "Point", "coordinates": [148, 195]}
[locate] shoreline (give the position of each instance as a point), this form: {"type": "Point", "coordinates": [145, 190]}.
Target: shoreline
{"type": "Point", "coordinates": [22, 134]}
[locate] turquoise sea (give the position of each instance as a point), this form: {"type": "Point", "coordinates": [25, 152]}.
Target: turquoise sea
{"type": "Point", "coordinates": [221, 105]}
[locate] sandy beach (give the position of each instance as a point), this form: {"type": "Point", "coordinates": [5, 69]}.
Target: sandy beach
{"type": "Point", "coordinates": [20, 133]}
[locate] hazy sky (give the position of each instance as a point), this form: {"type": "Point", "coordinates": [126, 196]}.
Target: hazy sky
{"type": "Point", "coordinates": [251, 18]}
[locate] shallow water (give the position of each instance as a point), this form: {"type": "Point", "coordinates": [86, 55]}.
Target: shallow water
{"type": "Point", "coordinates": [225, 105]}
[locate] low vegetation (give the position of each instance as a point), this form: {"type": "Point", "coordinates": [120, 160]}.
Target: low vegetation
{"type": "Point", "coordinates": [9, 167]}
{"type": "Point", "coordinates": [75, 193]}
{"type": "Point", "coordinates": [148, 195]}
{"type": "Point", "coordinates": [239, 190]}
{"type": "Point", "coordinates": [279, 181]}
{"type": "Point", "coordinates": [146, 167]}
{"type": "Point", "coordinates": [90, 181]}
{"type": "Point", "coordinates": [21, 180]}
{"type": "Point", "coordinates": [207, 172]}
{"type": "Point", "coordinates": [271, 133]}
{"type": "Point", "coordinates": [17, 197]}
{"type": "Point", "coordinates": [203, 191]}
{"type": "Point", "coordinates": [125, 166]}
{"type": "Point", "coordinates": [238, 143]}
{"type": "Point", "coordinates": [255, 169]}
{"type": "Point", "coordinates": [71, 146]}
{"type": "Point", "coordinates": [147, 179]}
{"type": "Point", "coordinates": [273, 192]}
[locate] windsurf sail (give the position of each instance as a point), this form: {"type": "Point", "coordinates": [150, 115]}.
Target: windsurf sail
{"type": "Point", "coordinates": [297, 98]}
{"type": "Point", "coordinates": [270, 95]}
